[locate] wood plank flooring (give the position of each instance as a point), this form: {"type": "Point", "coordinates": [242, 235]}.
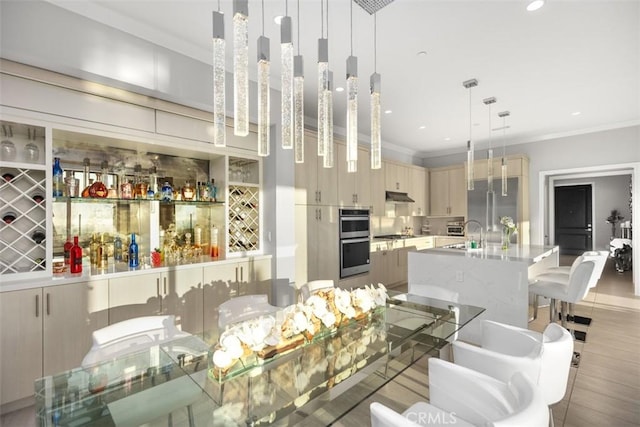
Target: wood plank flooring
{"type": "Point", "coordinates": [603, 390]}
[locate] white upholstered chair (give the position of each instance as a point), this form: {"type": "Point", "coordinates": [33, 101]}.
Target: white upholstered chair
{"type": "Point", "coordinates": [462, 396]}
{"type": "Point", "coordinates": [243, 308]}
{"type": "Point", "coordinates": [571, 291]}
{"type": "Point", "coordinates": [544, 357]}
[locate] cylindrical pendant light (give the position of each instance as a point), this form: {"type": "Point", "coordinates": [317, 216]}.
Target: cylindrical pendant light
{"type": "Point", "coordinates": [286, 80]}
{"type": "Point", "coordinates": [219, 101]}
{"type": "Point", "coordinates": [328, 160]}
{"type": "Point", "coordinates": [470, 144]}
{"type": "Point", "coordinates": [241, 67]}
{"type": "Point", "coordinates": [503, 169]}
{"type": "Point", "coordinates": [298, 86]}
{"type": "Point", "coordinates": [374, 81]}
{"type": "Point", "coordinates": [352, 105]}
{"type": "Point", "coordinates": [323, 84]}
{"type": "Point", "coordinates": [298, 96]}
{"type": "Point", "coordinates": [489, 102]}
{"type": "Point", "coordinates": [264, 111]}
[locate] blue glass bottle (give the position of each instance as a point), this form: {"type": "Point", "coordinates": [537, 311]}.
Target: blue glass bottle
{"type": "Point", "coordinates": [133, 252]}
{"type": "Point", "coordinates": [167, 192]}
{"type": "Point", "coordinates": [58, 179]}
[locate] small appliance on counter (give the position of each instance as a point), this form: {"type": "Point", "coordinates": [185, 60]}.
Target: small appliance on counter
{"type": "Point", "coordinates": [455, 228]}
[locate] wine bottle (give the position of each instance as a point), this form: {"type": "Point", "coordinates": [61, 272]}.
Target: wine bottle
{"type": "Point", "coordinates": [133, 252]}
{"type": "Point", "coordinates": [75, 258]}
{"type": "Point", "coordinates": [58, 178]}
{"type": "Point", "coordinates": [103, 259]}
{"type": "Point", "coordinates": [67, 250]}
{"type": "Point", "coordinates": [117, 249]}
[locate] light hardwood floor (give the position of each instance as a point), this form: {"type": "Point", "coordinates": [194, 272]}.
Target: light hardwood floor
{"type": "Point", "coordinates": [604, 390]}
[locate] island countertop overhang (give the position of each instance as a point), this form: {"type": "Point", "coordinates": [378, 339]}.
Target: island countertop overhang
{"type": "Point", "coordinates": [530, 254]}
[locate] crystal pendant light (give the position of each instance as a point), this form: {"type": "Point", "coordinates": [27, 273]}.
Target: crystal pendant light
{"type": "Point", "coordinates": [489, 102]}
{"type": "Point", "coordinates": [298, 97]}
{"type": "Point", "coordinates": [263, 92]}
{"type": "Point", "coordinates": [219, 102]}
{"type": "Point", "coordinates": [503, 168]}
{"type": "Point", "coordinates": [286, 80]}
{"type": "Point", "coordinates": [352, 106]}
{"type": "Point", "coordinates": [328, 160]}
{"type": "Point", "coordinates": [241, 67]}
{"type": "Point", "coordinates": [470, 145]}
{"type": "Point", "coordinates": [374, 81]}
{"type": "Point", "coordinates": [323, 84]}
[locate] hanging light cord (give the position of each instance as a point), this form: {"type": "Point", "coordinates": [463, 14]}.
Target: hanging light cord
{"type": "Point", "coordinates": [321, 18]}
{"type": "Point", "coordinates": [351, 14]}
{"type": "Point", "coordinates": [470, 125]}
{"type": "Point", "coordinates": [490, 147]}
{"type": "Point", "coordinates": [218, 5]}
{"type": "Point", "coordinates": [286, 8]}
{"type": "Point", "coordinates": [327, 18]}
{"type": "Point", "coordinates": [504, 131]}
{"type": "Point", "coordinates": [262, 18]}
{"type": "Point", "coordinates": [298, 27]}
{"type": "Point", "coordinates": [375, 42]}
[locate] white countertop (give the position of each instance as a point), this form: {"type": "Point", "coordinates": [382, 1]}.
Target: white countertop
{"type": "Point", "coordinates": [526, 253]}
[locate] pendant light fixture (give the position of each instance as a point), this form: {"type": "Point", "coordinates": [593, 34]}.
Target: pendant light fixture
{"type": "Point", "coordinates": [264, 66]}
{"type": "Point", "coordinates": [503, 169]}
{"type": "Point", "coordinates": [286, 79]}
{"type": "Point", "coordinates": [219, 101]}
{"type": "Point", "coordinates": [374, 81]}
{"type": "Point", "coordinates": [241, 67]}
{"type": "Point", "coordinates": [323, 83]}
{"type": "Point", "coordinates": [470, 145]}
{"type": "Point", "coordinates": [489, 102]}
{"type": "Point", "coordinates": [298, 97]}
{"type": "Point", "coordinates": [328, 160]}
{"type": "Point", "coordinates": [352, 105]}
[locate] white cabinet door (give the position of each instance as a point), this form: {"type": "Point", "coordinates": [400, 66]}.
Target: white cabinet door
{"type": "Point", "coordinates": [257, 275]}
{"type": "Point", "coordinates": [439, 192]}
{"type": "Point", "coordinates": [220, 284]}
{"type": "Point", "coordinates": [418, 191]}
{"type": "Point", "coordinates": [134, 296]}
{"type": "Point", "coordinates": [363, 178]}
{"type": "Point", "coordinates": [457, 192]}
{"type": "Point", "coordinates": [377, 185]}
{"type": "Point", "coordinates": [182, 297]}
{"type": "Point", "coordinates": [322, 245]}
{"type": "Point", "coordinates": [71, 313]}
{"type": "Point", "coordinates": [347, 192]}
{"type": "Point", "coordinates": [306, 174]}
{"type": "Point", "coordinates": [20, 343]}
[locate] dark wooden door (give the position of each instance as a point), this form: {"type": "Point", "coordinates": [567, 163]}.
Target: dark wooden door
{"type": "Point", "coordinates": [573, 226]}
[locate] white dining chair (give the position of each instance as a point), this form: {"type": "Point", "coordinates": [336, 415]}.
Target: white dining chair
{"type": "Point", "coordinates": [462, 396]}
{"type": "Point", "coordinates": [421, 413]}
{"type": "Point", "coordinates": [505, 349]}
{"type": "Point", "coordinates": [243, 308]}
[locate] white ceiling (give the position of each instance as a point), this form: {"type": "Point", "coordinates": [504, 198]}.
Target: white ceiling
{"type": "Point", "coordinates": [543, 66]}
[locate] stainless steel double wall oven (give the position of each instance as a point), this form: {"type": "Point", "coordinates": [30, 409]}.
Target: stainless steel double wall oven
{"type": "Point", "coordinates": [354, 237]}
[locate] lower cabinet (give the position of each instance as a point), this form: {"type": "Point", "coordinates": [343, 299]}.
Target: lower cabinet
{"type": "Point", "coordinates": [134, 296]}
{"type": "Point", "coordinates": [50, 331]}
{"type": "Point", "coordinates": [182, 297]}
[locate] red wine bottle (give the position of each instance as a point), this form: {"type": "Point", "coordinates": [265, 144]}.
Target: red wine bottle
{"type": "Point", "coordinates": [75, 259]}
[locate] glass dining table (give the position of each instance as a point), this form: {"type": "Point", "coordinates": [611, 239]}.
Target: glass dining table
{"type": "Point", "coordinates": [174, 382]}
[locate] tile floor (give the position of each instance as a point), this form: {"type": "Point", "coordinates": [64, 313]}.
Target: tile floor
{"type": "Point", "coordinates": [604, 390]}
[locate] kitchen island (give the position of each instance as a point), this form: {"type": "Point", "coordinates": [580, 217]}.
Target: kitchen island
{"type": "Point", "coordinates": [491, 277]}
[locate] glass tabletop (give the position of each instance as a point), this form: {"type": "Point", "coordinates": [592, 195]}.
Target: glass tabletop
{"type": "Point", "coordinates": [174, 380]}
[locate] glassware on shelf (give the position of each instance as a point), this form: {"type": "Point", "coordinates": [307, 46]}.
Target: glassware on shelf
{"type": "Point", "coordinates": [71, 185]}
{"type": "Point", "coordinates": [103, 254]}
{"type": "Point", "coordinates": [8, 150]}
{"type": "Point", "coordinates": [93, 250]}
{"type": "Point", "coordinates": [99, 189]}
{"type": "Point", "coordinates": [117, 249]}
{"type": "Point", "coordinates": [215, 250]}
{"type": "Point", "coordinates": [86, 166]}
{"type": "Point", "coordinates": [152, 192]}
{"type": "Point", "coordinates": [213, 191]}
{"type": "Point", "coordinates": [126, 189]}
{"type": "Point", "coordinates": [31, 153]}
{"type": "Point", "coordinates": [58, 179]}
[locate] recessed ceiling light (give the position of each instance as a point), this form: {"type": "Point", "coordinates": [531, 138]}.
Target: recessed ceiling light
{"type": "Point", "coordinates": [535, 5]}
{"type": "Point", "coordinates": [339, 89]}
{"type": "Point", "coordinates": [447, 139]}
{"type": "Point", "coordinates": [278, 19]}
{"type": "Point", "coordinates": [422, 53]}
{"type": "Point", "coordinates": [576, 113]}
{"type": "Point", "coordinates": [422, 127]}
{"type": "Point", "coordinates": [388, 111]}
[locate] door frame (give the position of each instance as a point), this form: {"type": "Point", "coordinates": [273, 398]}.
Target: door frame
{"type": "Point", "coordinates": [544, 178]}
{"type": "Point", "coordinates": [552, 206]}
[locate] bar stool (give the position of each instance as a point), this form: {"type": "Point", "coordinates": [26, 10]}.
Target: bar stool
{"type": "Point", "coordinates": [572, 292]}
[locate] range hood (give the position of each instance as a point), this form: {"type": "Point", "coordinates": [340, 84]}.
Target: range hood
{"type": "Point", "coordinates": [395, 197]}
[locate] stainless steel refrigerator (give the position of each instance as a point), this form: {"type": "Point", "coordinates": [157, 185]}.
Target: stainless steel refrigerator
{"type": "Point", "coordinates": [487, 208]}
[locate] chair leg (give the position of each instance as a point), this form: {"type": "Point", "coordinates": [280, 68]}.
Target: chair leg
{"type": "Point", "coordinates": [563, 310]}
{"type": "Point", "coordinates": [553, 310]}
{"type": "Point", "coordinates": [551, 422]}
{"type": "Point", "coordinates": [535, 308]}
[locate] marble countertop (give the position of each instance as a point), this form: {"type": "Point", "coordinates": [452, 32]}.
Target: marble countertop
{"type": "Point", "coordinates": [525, 253]}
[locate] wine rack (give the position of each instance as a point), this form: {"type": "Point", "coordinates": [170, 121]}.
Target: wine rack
{"type": "Point", "coordinates": [244, 218]}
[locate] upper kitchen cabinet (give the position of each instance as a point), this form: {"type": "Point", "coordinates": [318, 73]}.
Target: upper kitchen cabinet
{"type": "Point", "coordinates": [354, 188]}
{"type": "Point", "coordinates": [376, 185]}
{"type": "Point", "coordinates": [396, 177]}
{"type": "Point", "coordinates": [516, 166]}
{"type": "Point", "coordinates": [315, 184]}
{"type": "Point", "coordinates": [447, 191]}
{"type": "Point", "coordinates": [418, 190]}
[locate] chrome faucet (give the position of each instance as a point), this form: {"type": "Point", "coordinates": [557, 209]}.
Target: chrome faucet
{"type": "Point", "coordinates": [481, 243]}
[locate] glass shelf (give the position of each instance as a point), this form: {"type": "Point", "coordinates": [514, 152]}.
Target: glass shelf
{"type": "Point", "coordinates": [114, 200]}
